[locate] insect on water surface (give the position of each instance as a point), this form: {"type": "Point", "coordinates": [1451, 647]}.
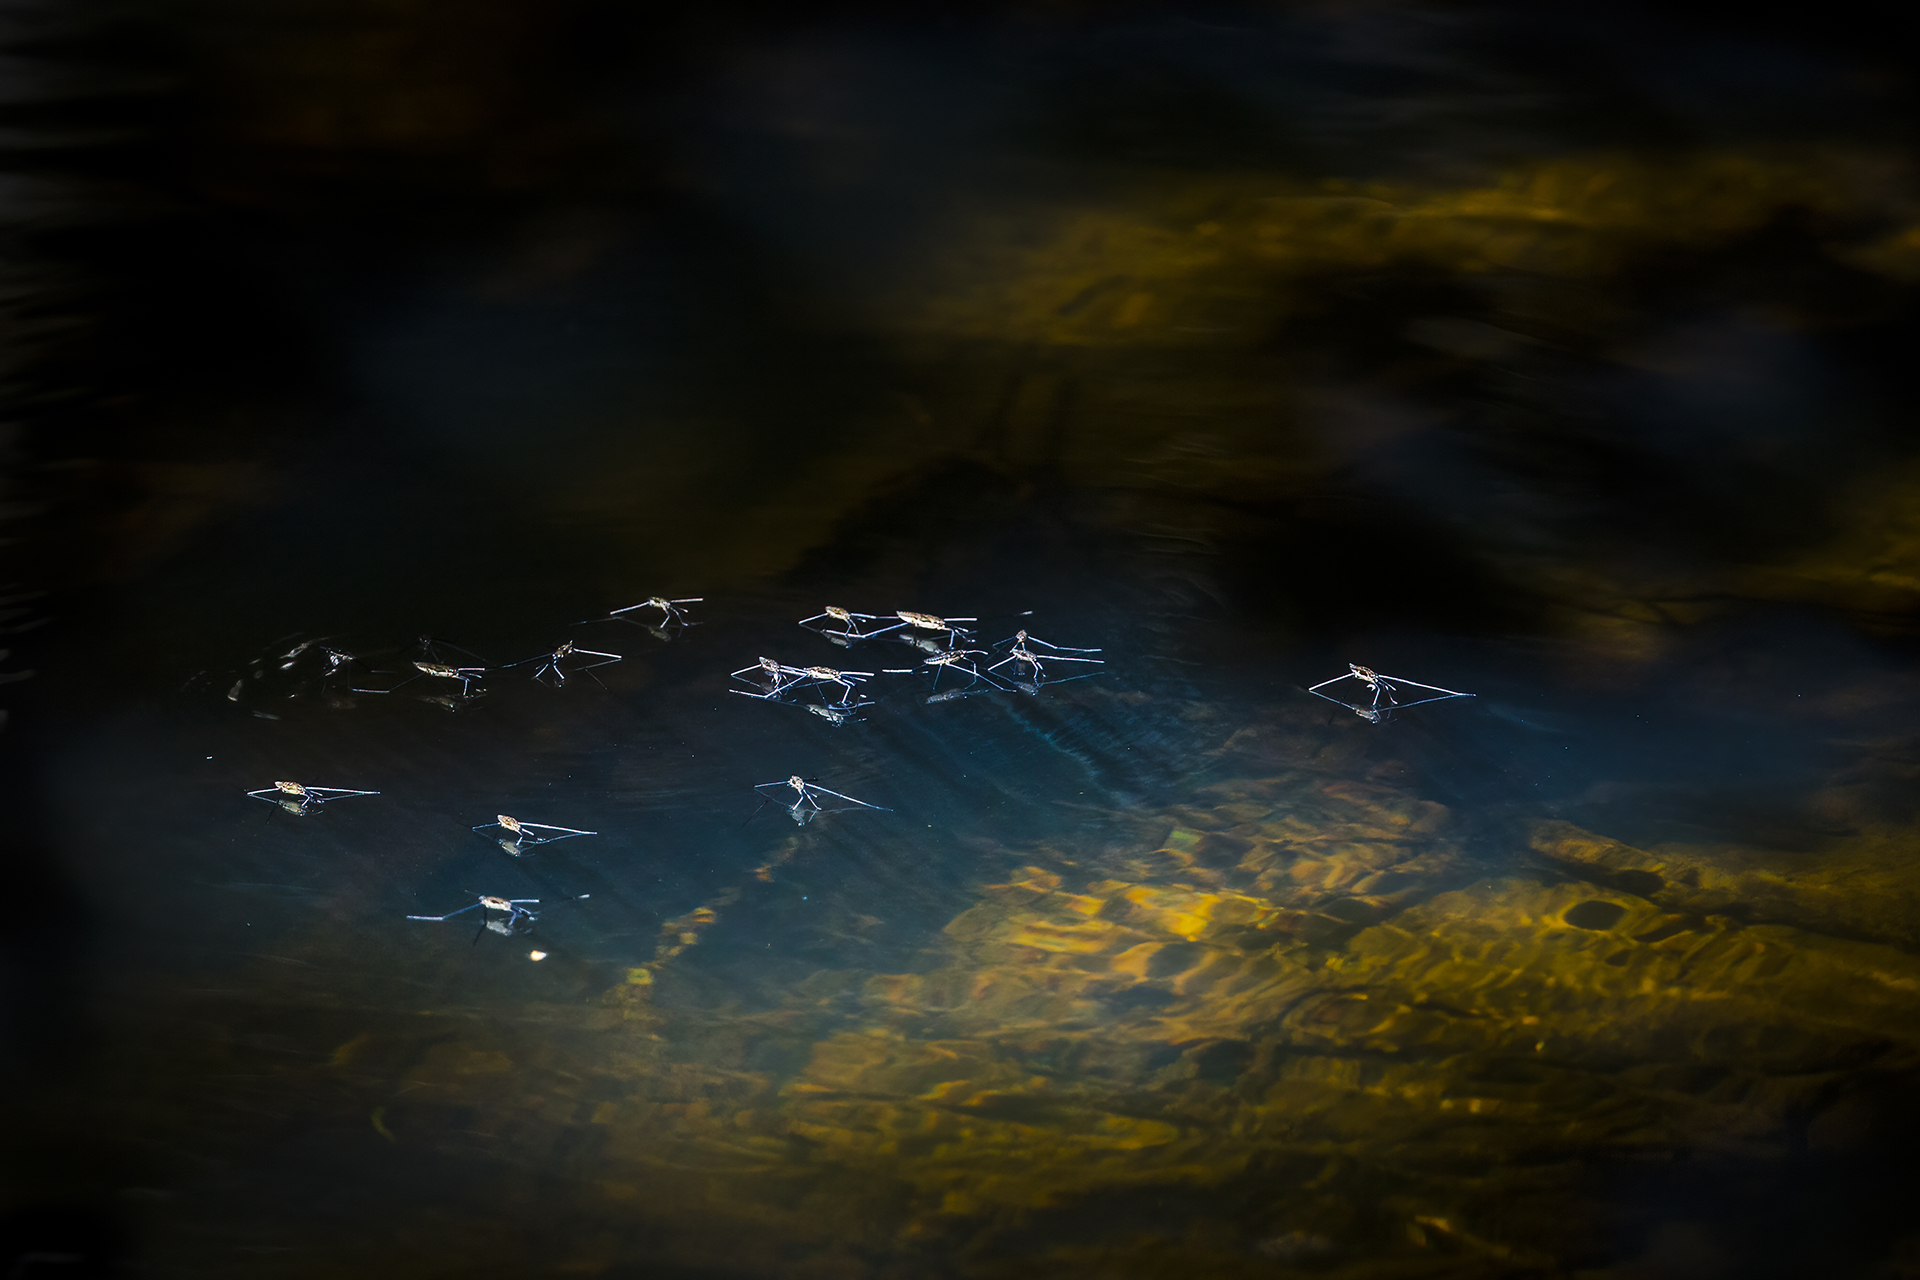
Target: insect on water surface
{"type": "Point", "coordinates": [523, 833]}
{"type": "Point", "coordinates": [1385, 691]}
{"type": "Point", "coordinates": [513, 913]}
{"type": "Point", "coordinates": [441, 671]}
{"type": "Point", "coordinates": [297, 797]}
{"type": "Point", "coordinates": [777, 677]}
{"type": "Point", "coordinates": [849, 623]}
{"type": "Point", "coordinates": [827, 675]}
{"type": "Point", "coordinates": [1025, 659]}
{"type": "Point", "coordinates": [950, 659]}
{"type": "Point", "coordinates": [438, 671]}
{"type": "Point", "coordinates": [551, 664]}
{"type": "Point", "coordinates": [931, 622]}
{"type": "Point", "coordinates": [670, 612]}
{"type": "Point", "coordinates": [806, 803]}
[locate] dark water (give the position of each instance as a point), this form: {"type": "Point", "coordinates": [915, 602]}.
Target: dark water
{"type": "Point", "coordinates": [1556, 357]}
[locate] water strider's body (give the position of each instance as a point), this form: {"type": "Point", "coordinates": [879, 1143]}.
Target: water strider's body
{"type": "Point", "coordinates": [1024, 657]}
{"type": "Point", "coordinates": [1385, 690]}
{"type": "Point", "coordinates": [670, 612]}
{"type": "Point", "coordinates": [296, 797]}
{"type": "Point", "coordinates": [523, 832]}
{"type": "Point", "coordinates": [807, 795]}
{"type": "Point", "coordinates": [934, 622]}
{"type": "Point", "coordinates": [550, 663]}
{"type": "Point", "coordinates": [849, 622]}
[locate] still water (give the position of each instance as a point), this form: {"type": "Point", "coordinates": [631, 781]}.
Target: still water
{"type": "Point", "coordinates": [1560, 362]}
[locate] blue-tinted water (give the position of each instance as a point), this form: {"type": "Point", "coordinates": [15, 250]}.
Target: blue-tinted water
{"type": "Point", "coordinates": [1555, 359]}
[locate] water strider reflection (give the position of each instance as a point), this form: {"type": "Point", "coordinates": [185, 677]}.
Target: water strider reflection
{"type": "Point", "coordinates": [1222, 361]}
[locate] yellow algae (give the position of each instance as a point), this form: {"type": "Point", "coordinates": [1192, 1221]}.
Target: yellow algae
{"type": "Point", "coordinates": [1096, 275]}
{"type": "Point", "coordinates": [1184, 914]}
{"type": "Point", "coordinates": [344, 1055]}
{"type": "Point", "coordinates": [1858, 886]}
{"type": "Point", "coordinates": [1048, 936]}
{"type": "Point", "coordinates": [1037, 879]}
{"type": "Point", "coordinates": [1347, 996]}
{"type": "Point", "coordinates": [1132, 310]}
{"type": "Point", "coordinates": [1134, 961]}
{"type": "Point", "coordinates": [1871, 563]}
{"type": "Point", "coordinates": [1896, 255]}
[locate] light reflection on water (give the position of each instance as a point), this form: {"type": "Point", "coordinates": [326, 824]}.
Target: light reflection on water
{"type": "Point", "coordinates": [1123, 958]}
{"type": "Point", "coordinates": [1228, 350]}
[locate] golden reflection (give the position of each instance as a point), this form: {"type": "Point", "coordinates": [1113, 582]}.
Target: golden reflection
{"type": "Point", "coordinates": [1299, 983]}
{"type": "Point", "coordinates": [1202, 258]}
{"type": "Point", "coordinates": [1129, 346]}
{"type": "Point", "coordinates": [1871, 562]}
{"type": "Point", "coordinates": [1330, 1022]}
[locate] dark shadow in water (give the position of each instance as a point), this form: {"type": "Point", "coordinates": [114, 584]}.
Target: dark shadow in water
{"type": "Point", "coordinates": [1241, 344]}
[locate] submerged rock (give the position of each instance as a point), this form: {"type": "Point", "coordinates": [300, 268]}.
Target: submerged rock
{"type": "Point", "coordinates": [1862, 886]}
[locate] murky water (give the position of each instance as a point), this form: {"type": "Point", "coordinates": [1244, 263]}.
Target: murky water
{"type": "Point", "coordinates": [1556, 360]}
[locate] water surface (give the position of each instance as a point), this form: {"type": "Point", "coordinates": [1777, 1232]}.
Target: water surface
{"type": "Point", "coordinates": [1557, 360]}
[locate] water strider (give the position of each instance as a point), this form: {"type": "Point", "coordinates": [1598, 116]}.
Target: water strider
{"type": "Point", "coordinates": [1020, 656]}
{"type": "Point", "coordinates": [1560, 351]}
{"type": "Point", "coordinates": [553, 664]}
{"type": "Point", "coordinates": [505, 916]}
{"type": "Point", "coordinates": [849, 623]}
{"type": "Point", "coordinates": [301, 796]}
{"type": "Point", "coordinates": [1386, 692]}
{"type": "Point", "coordinates": [671, 614]}
{"type": "Point", "coordinates": [520, 832]}
{"type": "Point", "coordinates": [806, 802]}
